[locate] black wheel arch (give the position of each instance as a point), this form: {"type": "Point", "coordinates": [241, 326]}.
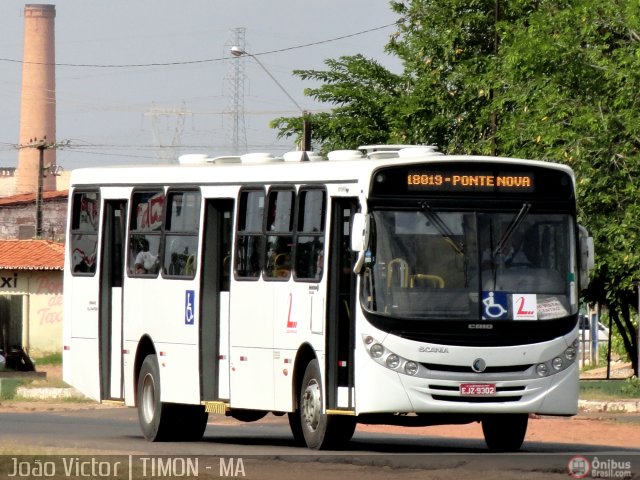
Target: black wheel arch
{"type": "Point", "coordinates": [305, 354]}
{"type": "Point", "coordinates": [145, 348]}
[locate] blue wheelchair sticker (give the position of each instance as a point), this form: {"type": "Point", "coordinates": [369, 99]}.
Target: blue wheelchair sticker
{"type": "Point", "coordinates": [189, 307]}
{"type": "Point", "coordinates": [495, 305]}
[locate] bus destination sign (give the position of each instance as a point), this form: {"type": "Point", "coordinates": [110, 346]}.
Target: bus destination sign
{"type": "Point", "coordinates": [469, 181]}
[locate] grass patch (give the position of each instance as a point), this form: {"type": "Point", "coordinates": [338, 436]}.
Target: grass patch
{"type": "Point", "coordinates": [610, 389]}
{"type": "Point", "coordinates": [8, 387]}
{"type": "Point", "coordinates": [47, 383]}
{"type": "Point", "coordinates": [51, 359]}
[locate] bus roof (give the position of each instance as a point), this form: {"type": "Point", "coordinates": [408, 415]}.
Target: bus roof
{"type": "Point", "coordinates": [345, 167]}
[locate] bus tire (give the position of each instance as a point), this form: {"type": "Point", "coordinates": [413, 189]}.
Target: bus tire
{"type": "Point", "coordinates": [188, 422]}
{"type": "Point", "coordinates": [505, 433]}
{"type": "Point", "coordinates": [320, 431]}
{"type": "Point", "coordinates": [296, 428]}
{"type": "Point", "coordinates": [153, 415]}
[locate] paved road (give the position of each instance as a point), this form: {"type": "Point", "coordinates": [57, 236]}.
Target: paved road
{"type": "Point", "coordinates": [268, 449]}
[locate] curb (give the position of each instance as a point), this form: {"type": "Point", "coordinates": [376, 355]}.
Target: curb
{"type": "Point", "coordinates": [614, 406]}
{"type": "Point", "coordinates": [70, 393]}
{"type": "Point", "coordinates": [51, 393]}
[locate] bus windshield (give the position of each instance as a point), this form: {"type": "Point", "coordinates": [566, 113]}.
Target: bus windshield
{"type": "Point", "coordinates": [427, 264]}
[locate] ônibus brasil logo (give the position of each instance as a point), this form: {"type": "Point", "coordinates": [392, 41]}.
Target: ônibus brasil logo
{"type": "Point", "coordinates": [578, 467]}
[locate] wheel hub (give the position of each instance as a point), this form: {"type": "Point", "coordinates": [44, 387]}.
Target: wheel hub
{"type": "Point", "coordinates": [148, 401]}
{"type": "Point", "coordinates": [311, 405]}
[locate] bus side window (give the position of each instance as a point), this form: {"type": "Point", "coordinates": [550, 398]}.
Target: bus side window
{"type": "Point", "coordinates": [279, 236]}
{"type": "Point", "coordinates": [145, 229]}
{"type": "Point", "coordinates": [181, 234]}
{"type": "Point", "coordinates": [309, 239]}
{"type": "Point", "coordinates": [249, 246]}
{"type": "Point", "coordinates": [84, 232]}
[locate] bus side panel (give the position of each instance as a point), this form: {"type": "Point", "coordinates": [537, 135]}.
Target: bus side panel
{"type": "Point", "coordinates": [291, 320]}
{"type": "Point", "coordinates": [299, 319]}
{"type": "Point", "coordinates": [223, 347]}
{"type": "Point", "coordinates": [128, 364]}
{"type": "Point", "coordinates": [81, 350]}
{"type": "Point", "coordinates": [163, 310]}
{"type": "Point", "coordinates": [251, 378]}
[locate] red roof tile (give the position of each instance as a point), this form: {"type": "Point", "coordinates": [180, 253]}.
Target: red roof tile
{"type": "Point", "coordinates": [31, 197]}
{"type": "Point", "coordinates": [31, 255]}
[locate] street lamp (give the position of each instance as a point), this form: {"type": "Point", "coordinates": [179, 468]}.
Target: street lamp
{"type": "Point", "coordinates": [237, 51]}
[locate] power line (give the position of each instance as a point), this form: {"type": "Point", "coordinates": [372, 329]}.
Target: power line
{"type": "Point", "coordinates": [208, 60]}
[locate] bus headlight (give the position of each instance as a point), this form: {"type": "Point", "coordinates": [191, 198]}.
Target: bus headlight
{"type": "Point", "coordinates": [376, 350]}
{"type": "Point", "coordinates": [388, 359]}
{"type": "Point", "coordinates": [570, 354]}
{"type": "Point", "coordinates": [557, 363]}
{"type": "Point", "coordinates": [393, 361]}
{"type": "Point", "coordinates": [542, 369]}
{"type": "Point", "coordinates": [411, 368]}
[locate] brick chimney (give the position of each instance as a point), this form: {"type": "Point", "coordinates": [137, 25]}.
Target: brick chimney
{"type": "Point", "coordinates": [38, 100]}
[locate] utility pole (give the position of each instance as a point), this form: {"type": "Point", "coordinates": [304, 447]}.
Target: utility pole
{"type": "Point", "coordinates": [168, 153]}
{"type": "Point", "coordinates": [234, 82]}
{"type": "Point", "coordinates": [53, 169]}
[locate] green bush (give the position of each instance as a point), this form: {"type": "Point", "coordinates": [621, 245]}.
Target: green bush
{"type": "Point", "coordinates": [609, 389]}
{"type": "Point", "coordinates": [631, 387]}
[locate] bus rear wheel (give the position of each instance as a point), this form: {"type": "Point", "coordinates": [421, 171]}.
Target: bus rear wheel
{"type": "Point", "coordinates": [165, 421]}
{"type": "Point", "coordinates": [320, 431]}
{"type": "Point", "coordinates": [505, 433]}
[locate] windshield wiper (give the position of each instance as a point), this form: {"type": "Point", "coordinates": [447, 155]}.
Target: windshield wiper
{"type": "Point", "coordinates": [442, 227]}
{"type": "Point", "coordinates": [517, 220]}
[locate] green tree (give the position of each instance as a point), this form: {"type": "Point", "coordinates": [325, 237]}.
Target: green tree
{"type": "Point", "coordinates": [548, 79]}
{"type": "Point", "coordinates": [362, 93]}
{"type": "Point", "coordinates": [568, 80]}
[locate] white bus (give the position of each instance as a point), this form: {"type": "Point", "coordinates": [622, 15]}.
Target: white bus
{"type": "Point", "coordinates": [389, 285]}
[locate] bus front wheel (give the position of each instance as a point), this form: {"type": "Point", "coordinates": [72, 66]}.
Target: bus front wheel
{"type": "Point", "coordinates": [152, 415]}
{"type": "Point", "coordinates": [165, 421]}
{"type": "Point", "coordinates": [320, 431]}
{"type": "Point", "coordinates": [505, 433]}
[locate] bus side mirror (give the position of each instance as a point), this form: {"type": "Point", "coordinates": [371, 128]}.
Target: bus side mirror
{"type": "Point", "coordinates": [359, 232]}
{"type": "Point", "coordinates": [359, 238]}
{"type": "Point", "coordinates": [587, 256]}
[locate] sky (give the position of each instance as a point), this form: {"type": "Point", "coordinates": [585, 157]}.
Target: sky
{"type": "Point", "coordinates": [110, 112]}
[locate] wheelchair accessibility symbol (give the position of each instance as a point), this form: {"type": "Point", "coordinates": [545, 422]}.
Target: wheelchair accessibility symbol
{"type": "Point", "coordinates": [189, 306]}
{"type": "Point", "coordinates": [495, 305]}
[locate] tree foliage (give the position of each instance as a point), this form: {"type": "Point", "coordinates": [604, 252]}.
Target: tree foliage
{"type": "Point", "coordinates": [547, 79]}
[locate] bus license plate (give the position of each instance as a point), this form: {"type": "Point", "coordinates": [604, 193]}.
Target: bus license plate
{"type": "Point", "coordinates": [477, 389]}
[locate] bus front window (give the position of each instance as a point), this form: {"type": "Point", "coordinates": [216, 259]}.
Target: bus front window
{"type": "Point", "coordinates": [470, 265]}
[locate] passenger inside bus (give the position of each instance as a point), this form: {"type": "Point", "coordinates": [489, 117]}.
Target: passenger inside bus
{"type": "Point", "coordinates": [145, 261]}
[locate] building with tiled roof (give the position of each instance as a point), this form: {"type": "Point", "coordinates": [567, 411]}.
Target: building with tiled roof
{"type": "Point", "coordinates": [31, 255]}
{"type": "Point", "coordinates": [31, 295]}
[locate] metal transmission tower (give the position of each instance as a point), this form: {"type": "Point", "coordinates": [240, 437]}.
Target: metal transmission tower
{"type": "Point", "coordinates": [234, 86]}
{"type": "Point", "coordinates": [167, 122]}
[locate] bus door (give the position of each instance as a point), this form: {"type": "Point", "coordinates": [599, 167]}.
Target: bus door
{"type": "Point", "coordinates": [340, 308]}
{"type": "Point", "coordinates": [214, 299]}
{"type": "Point", "coordinates": [110, 316]}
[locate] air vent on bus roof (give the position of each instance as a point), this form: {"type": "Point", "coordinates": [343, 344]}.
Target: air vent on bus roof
{"type": "Point", "coordinates": [369, 149]}
{"type": "Point", "coordinates": [418, 151]}
{"type": "Point", "coordinates": [378, 152]}
{"type": "Point", "coordinates": [338, 155]}
{"type": "Point", "coordinates": [194, 159]}
{"type": "Point", "coordinates": [259, 158]}
{"type": "Point", "coordinates": [226, 159]}
{"type": "Point", "coordinates": [298, 156]}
